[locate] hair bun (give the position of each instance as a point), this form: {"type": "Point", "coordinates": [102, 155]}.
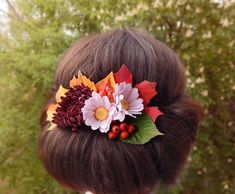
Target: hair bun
{"type": "Point", "coordinates": [90, 161]}
{"type": "Point", "coordinates": [179, 125]}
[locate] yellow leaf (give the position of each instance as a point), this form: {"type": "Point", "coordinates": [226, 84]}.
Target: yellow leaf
{"type": "Point", "coordinates": [108, 80]}
{"type": "Point", "coordinates": [53, 126]}
{"type": "Point", "coordinates": [87, 82]}
{"type": "Point", "coordinates": [76, 81]}
{"type": "Point", "coordinates": [81, 79]}
{"type": "Point", "coordinates": [61, 92]}
{"type": "Point", "coordinates": [50, 111]}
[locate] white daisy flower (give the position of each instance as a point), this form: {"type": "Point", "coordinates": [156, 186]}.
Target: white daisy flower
{"type": "Point", "coordinates": [127, 101]}
{"type": "Point", "coordinates": [98, 112]}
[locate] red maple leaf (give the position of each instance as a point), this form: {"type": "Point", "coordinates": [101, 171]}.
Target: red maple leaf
{"type": "Point", "coordinates": [123, 75]}
{"type": "Point", "coordinates": [146, 90]}
{"type": "Point", "coordinates": [153, 112]}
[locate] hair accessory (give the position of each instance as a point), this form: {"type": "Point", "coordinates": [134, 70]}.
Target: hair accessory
{"type": "Point", "coordinates": [112, 106]}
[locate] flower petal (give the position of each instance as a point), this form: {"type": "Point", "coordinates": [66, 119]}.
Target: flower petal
{"type": "Point", "coordinates": [134, 95]}
{"type": "Point", "coordinates": [127, 90]}
{"type": "Point", "coordinates": [95, 95]}
{"type": "Point", "coordinates": [88, 114]}
{"type": "Point", "coordinates": [95, 125]}
{"type": "Point", "coordinates": [135, 112]}
{"type": "Point", "coordinates": [131, 115]}
{"type": "Point", "coordinates": [136, 103]}
{"type": "Point", "coordinates": [104, 124]}
{"type": "Point", "coordinates": [106, 102]}
{"type": "Point", "coordinates": [139, 107]}
{"type": "Point", "coordinates": [112, 110]}
{"type": "Point", "coordinates": [121, 117]}
{"type": "Point", "coordinates": [92, 122]}
{"type": "Point", "coordinates": [104, 130]}
{"type": "Point", "coordinates": [90, 102]}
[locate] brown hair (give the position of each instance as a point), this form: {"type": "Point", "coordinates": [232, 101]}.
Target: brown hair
{"type": "Point", "coordinates": [88, 160]}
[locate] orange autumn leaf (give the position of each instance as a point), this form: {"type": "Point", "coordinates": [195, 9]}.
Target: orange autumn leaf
{"type": "Point", "coordinates": [75, 81]}
{"type": "Point", "coordinates": [108, 80]}
{"type": "Point", "coordinates": [50, 111]}
{"type": "Point", "coordinates": [61, 92]}
{"type": "Point", "coordinates": [50, 114]}
{"type": "Point", "coordinates": [81, 79]}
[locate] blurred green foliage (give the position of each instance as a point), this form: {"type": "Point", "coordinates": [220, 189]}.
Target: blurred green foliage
{"type": "Point", "coordinates": [38, 32]}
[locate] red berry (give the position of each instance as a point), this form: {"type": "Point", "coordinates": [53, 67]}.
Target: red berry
{"type": "Point", "coordinates": [131, 128]}
{"type": "Point", "coordinates": [110, 95]}
{"type": "Point", "coordinates": [124, 134]}
{"type": "Point", "coordinates": [116, 129]}
{"type": "Point", "coordinates": [102, 93]}
{"type": "Point", "coordinates": [112, 135]}
{"type": "Point", "coordinates": [123, 126]}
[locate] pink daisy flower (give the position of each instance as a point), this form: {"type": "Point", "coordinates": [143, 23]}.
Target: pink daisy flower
{"type": "Point", "coordinates": [127, 101]}
{"type": "Point", "coordinates": [98, 112]}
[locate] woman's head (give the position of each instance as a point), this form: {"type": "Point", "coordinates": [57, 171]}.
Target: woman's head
{"type": "Point", "coordinates": [88, 160]}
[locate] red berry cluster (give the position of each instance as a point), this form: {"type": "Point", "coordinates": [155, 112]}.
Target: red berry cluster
{"type": "Point", "coordinates": [108, 91]}
{"type": "Point", "coordinates": [123, 129]}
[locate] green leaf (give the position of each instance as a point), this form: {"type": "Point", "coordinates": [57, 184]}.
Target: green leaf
{"type": "Point", "coordinates": [146, 130]}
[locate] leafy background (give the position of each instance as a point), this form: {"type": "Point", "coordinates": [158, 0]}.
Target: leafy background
{"type": "Point", "coordinates": [34, 34]}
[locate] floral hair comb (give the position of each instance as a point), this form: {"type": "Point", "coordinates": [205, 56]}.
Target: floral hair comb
{"type": "Point", "coordinates": [112, 106]}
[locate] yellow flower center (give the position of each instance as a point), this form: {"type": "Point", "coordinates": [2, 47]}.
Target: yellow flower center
{"type": "Point", "coordinates": [124, 104]}
{"type": "Point", "coordinates": [101, 113]}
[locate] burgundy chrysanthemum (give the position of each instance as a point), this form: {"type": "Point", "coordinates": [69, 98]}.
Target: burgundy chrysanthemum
{"type": "Point", "coordinates": [69, 114]}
